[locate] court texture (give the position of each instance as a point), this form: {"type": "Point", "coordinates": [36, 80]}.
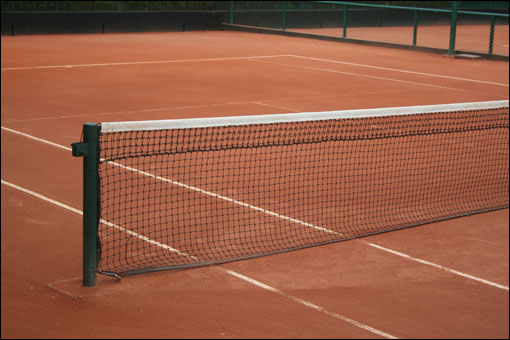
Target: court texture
{"type": "Point", "coordinates": [444, 279]}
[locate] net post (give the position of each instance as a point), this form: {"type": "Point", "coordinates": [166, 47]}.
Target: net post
{"type": "Point", "coordinates": [491, 39]}
{"type": "Point", "coordinates": [89, 150]}
{"type": "Point", "coordinates": [453, 27]}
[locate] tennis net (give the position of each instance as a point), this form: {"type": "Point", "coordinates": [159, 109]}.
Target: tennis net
{"type": "Point", "coordinates": [182, 193]}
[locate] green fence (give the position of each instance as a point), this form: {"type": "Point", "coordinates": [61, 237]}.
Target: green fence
{"type": "Point", "coordinates": [451, 28]}
{"type": "Point", "coordinates": [81, 6]}
{"type": "Point", "coordinates": [221, 5]}
{"type": "Point", "coordinates": [479, 27]}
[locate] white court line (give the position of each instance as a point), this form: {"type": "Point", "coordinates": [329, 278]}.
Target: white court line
{"type": "Point", "coordinates": [258, 102]}
{"type": "Point", "coordinates": [44, 198]}
{"type": "Point", "coordinates": [401, 71]}
{"type": "Point", "coordinates": [132, 111]}
{"type": "Point", "coordinates": [456, 272]}
{"type": "Point", "coordinates": [141, 62]}
{"type": "Point", "coordinates": [361, 75]}
{"type": "Point", "coordinates": [452, 271]}
{"type": "Point", "coordinates": [276, 106]}
{"type": "Point", "coordinates": [309, 304]}
{"type": "Point", "coordinates": [250, 57]}
{"type": "Point", "coordinates": [230, 272]}
{"type": "Point", "coordinates": [110, 224]}
{"type": "Point", "coordinates": [37, 139]}
{"type": "Point", "coordinates": [224, 198]}
{"type": "Point", "coordinates": [190, 187]}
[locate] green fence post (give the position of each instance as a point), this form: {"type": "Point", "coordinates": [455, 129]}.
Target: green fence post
{"type": "Point", "coordinates": [491, 39]}
{"type": "Point", "coordinates": [415, 27]}
{"type": "Point", "coordinates": [284, 15]}
{"type": "Point", "coordinates": [88, 149]}
{"type": "Point", "coordinates": [231, 12]}
{"type": "Point", "coordinates": [345, 21]}
{"type": "Point", "coordinates": [453, 27]}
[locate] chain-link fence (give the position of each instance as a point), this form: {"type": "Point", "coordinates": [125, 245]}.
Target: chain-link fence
{"type": "Point", "coordinates": [447, 27]}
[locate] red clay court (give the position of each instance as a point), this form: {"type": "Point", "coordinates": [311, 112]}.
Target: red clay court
{"type": "Point", "coordinates": [446, 279]}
